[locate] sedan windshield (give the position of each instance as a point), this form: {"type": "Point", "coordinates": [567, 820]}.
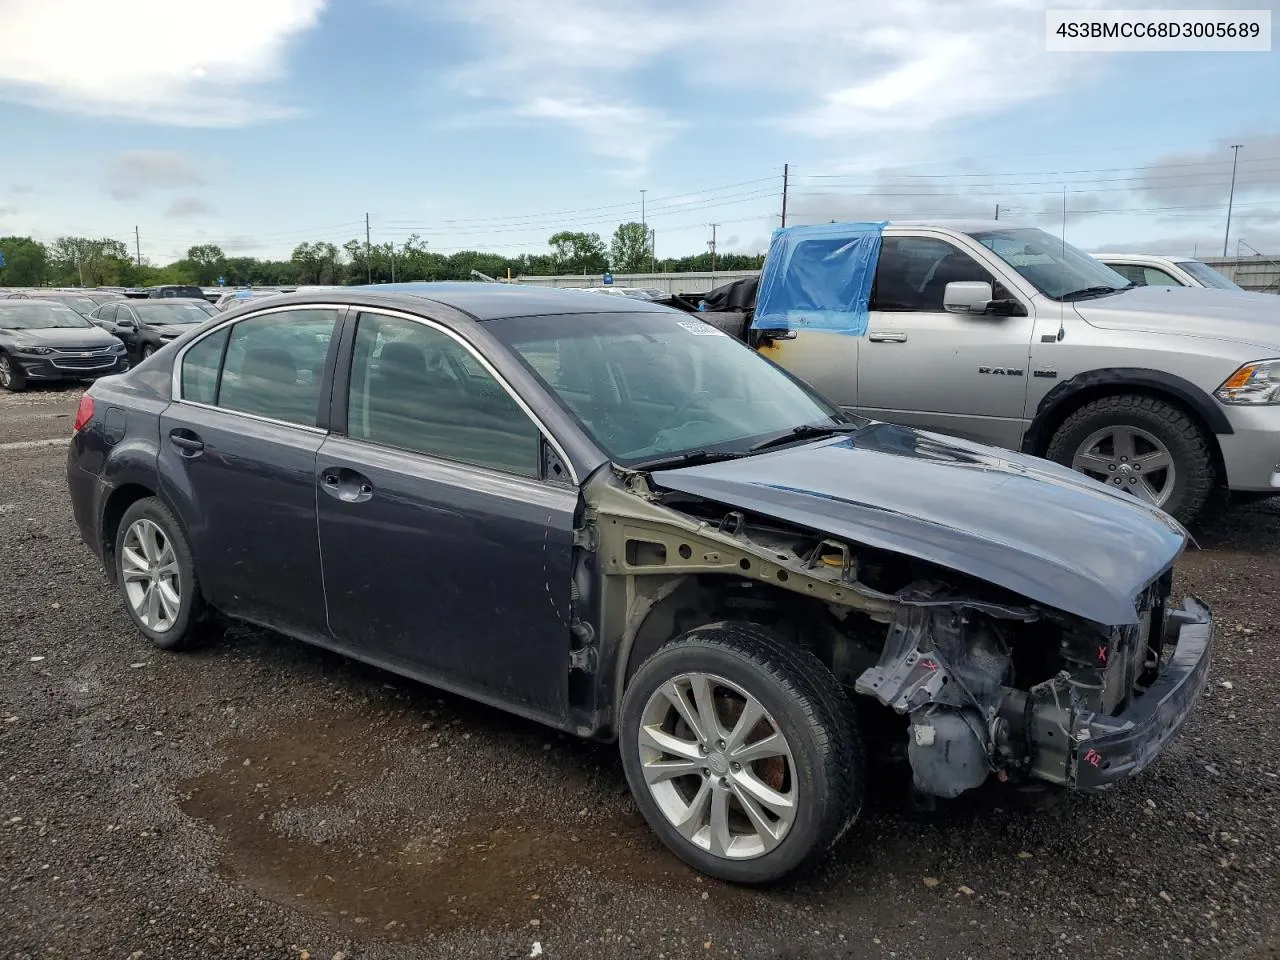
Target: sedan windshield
{"type": "Point", "coordinates": [81, 305]}
{"type": "Point", "coordinates": [169, 313]}
{"type": "Point", "coordinates": [650, 387]}
{"type": "Point", "coordinates": [38, 315]}
{"type": "Point", "coordinates": [1056, 269]}
{"type": "Point", "coordinates": [1208, 276]}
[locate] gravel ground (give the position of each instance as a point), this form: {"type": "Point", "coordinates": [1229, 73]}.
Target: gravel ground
{"type": "Point", "coordinates": [263, 799]}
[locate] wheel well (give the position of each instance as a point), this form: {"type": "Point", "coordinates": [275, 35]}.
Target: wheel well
{"type": "Point", "coordinates": [709, 599]}
{"type": "Point", "coordinates": [121, 499]}
{"type": "Point", "coordinates": [1045, 429]}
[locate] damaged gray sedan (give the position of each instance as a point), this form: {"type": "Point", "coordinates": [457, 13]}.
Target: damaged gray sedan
{"type": "Point", "coordinates": [612, 518]}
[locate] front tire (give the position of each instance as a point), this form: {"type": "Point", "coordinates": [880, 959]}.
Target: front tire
{"type": "Point", "coordinates": [157, 577]}
{"type": "Point", "coordinates": [1142, 445]}
{"type": "Point", "coordinates": [147, 351]}
{"type": "Point", "coordinates": [742, 752]}
{"type": "Point", "coordinates": [11, 375]}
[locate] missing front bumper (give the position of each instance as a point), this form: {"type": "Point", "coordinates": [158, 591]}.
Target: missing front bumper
{"type": "Point", "coordinates": [1094, 752]}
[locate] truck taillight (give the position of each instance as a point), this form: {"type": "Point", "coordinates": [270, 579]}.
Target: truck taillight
{"type": "Point", "coordinates": [84, 413]}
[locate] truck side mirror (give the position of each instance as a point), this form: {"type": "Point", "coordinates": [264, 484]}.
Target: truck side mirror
{"type": "Point", "coordinates": [967, 296]}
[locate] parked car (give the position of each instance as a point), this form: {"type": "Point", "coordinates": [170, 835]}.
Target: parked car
{"type": "Point", "coordinates": [78, 302]}
{"type": "Point", "coordinates": [146, 326]}
{"type": "Point", "coordinates": [180, 290]}
{"type": "Point", "coordinates": [104, 296]}
{"type": "Point", "coordinates": [1143, 270]}
{"type": "Point", "coordinates": [1008, 336]}
{"type": "Point", "coordinates": [42, 340]}
{"type": "Point", "coordinates": [606, 516]}
{"type": "Point", "coordinates": [235, 298]}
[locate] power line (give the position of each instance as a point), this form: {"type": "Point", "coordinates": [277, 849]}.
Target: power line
{"type": "Point", "coordinates": [1045, 173]}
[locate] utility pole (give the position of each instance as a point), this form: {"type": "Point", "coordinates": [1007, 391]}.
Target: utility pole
{"type": "Point", "coordinates": [643, 222]}
{"type": "Point", "coordinates": [712, 245]}
{"type": "Point", "coordinates": [786, 176]}
{"type": "Point", "coordinates": [368, 248]}
{"type": "Point", "coordinates": [393, 262]}
{"type": "Point", "coordinates": [1235, 154]}
{"type": "Point", "coordinates": [137, 244]}
{"type": "Point", "coordinates": [997, 211]}
{"type": "Point", "coordinates": [653, 248]}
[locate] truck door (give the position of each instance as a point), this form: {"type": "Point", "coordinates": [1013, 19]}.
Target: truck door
{"type": "Point", "coordinates": [960, 374]}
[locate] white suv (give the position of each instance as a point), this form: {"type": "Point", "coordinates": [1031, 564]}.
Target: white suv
{"type": "Point", "coordinates": [1144, 270]}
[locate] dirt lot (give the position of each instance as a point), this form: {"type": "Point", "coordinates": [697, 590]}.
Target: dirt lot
{"type": "Point", "coordinates": [263, 799]}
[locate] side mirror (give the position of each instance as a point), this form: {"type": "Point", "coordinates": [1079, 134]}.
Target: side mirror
{"type": "Point", "coordinates": [967, 296]}
{"type": "Point", "coordinates": [125, 324]}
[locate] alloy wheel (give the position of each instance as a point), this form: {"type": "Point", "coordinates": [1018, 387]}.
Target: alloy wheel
{"type": "Point", "coordinates": [718, 766]}
{"type": "Point", "coordinates": [1130, 459]}
{"type": "Point", "coordinates": [150, 570]}
{"type": "Point", "coordinates": [6, 372]}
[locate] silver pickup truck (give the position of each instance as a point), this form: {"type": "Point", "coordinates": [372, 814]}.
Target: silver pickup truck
{"type": "Point", "coordinates": [1011, 337]}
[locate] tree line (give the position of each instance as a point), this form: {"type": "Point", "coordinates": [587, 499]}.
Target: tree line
{"type": "Point", "coordinates": [83, 261]}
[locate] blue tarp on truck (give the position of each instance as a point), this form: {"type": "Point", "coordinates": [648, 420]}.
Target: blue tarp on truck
{"type": "Point", "coordinates": [819, 277]}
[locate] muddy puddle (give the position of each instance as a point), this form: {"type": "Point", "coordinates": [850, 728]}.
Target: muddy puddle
{"type": "Point", "coordinates": [340, 815]}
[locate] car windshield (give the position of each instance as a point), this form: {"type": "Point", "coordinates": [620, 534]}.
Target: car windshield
{"type": "Point", "coordinates": [1208, 276]}
{"type": "Point", "coordinates": [1056, 269]}
{"type": "Point", "coordinates": [169, 313]}
{"type": "Point", "coordinates": [81, 305]}
{"type": "Point", "coordinates": [653, 386]}
{"type": "Point", "coordinates": [38, 315]}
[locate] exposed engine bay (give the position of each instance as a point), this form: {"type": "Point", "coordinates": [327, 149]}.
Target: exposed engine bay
{"type": "Point", "coordinates": [968, 680]}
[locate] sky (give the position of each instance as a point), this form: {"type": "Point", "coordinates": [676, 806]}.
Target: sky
{"type": "Point", "coordinates": [481, 124]}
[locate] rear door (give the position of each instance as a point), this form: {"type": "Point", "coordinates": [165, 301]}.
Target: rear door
{"type": "Point", "coordinates": [960, 374]}
{"type": "Point", "coordinates": [446, 552]}
{"type": "Point", "coordinates": [238, 453]}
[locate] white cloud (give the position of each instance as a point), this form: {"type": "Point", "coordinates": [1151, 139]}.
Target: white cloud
{"type": "Point", "coordinates": [138, 172]}
{"type": "Point", "coordinates": [188, 207]}
{"type": "Point", "coordinates": [821, 68]}
{"type": "Point", "coordinates": [188, 63]}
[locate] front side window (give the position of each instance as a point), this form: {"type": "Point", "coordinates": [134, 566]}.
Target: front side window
{"type": "Point", "coordinates": [274, 365]}
{"type": "Point", "coordinates": [107, 312]}
{"type": "Point", "coordinates": [653, 385]}
{"type": "Point", "coordinates": [1154, 277]}
{"type": "Point", "coordinates": [913, 272]}
{"type": "Point", "coordinates": [416, 388]}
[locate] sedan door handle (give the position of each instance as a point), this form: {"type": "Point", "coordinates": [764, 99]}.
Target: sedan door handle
{"type": "Point", "coordinates": [346, 485]}
{"type": "Point", "coordinates": [887, 337]}
{"type": "Point", "coordinates": [187, 442]}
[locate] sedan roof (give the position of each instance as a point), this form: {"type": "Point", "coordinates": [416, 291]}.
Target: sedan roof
{"type": "Point", "coordinates": [494, 301]}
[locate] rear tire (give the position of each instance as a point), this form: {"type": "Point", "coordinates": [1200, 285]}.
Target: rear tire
{"type": "Point", "coordinates": [157, 577]}
{"type": "Point", "coordinates": [809, 795]}
{"type": "Point", "coordinates": [1192, 456]}
{"type": "Point", "coordinates": [11, 376]}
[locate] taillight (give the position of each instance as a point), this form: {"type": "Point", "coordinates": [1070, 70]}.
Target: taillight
{"type": "Point", "coordinates": [84, 413]}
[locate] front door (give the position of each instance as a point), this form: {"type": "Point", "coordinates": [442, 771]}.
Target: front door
{"type": "Point", "coordinates": [445, 552]}
{"type": "Point", "coordinates": [964, 375]}
{"type": "Point", "coordinates": [238, 453]}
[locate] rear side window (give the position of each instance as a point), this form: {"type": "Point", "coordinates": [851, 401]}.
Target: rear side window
{"type": "Point", "coordinates": [200, 368]}
{"type": "Point", "coordinates": [270, 366]}
{"type": "Point", "coordinates": [417, 389]}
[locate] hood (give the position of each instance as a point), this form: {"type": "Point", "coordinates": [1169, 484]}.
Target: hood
{"type": "Point", "coordinates": [1190, 311]}
{"type": "Point", "coordinates": [1025, 524]}
{"type": "Point", "coordinates": [63, 338]}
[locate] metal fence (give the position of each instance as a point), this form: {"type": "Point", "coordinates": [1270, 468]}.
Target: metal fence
{"type": "Point", "coordinates": [666, 282]}
{"type": "Point", "coordinates": [1257, 273]}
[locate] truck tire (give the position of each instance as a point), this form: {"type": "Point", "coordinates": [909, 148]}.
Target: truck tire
{"type": "Point", "coordinates": [1114, 438]}
{"type": "Point", "coordinates": [742, 752]}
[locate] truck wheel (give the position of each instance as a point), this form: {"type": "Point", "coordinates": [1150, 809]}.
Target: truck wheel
{"type": "Point", "coordinates": [157, 577]}
{"type": "Point", "coordinates": [11, 376]}
{"type": "Point", "coordinates": [742, 752]}
{"type": "Point", "coordinates": [1142, 445]}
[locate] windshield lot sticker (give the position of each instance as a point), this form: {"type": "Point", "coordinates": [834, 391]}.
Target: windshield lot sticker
{"type": "Point", "coordinates": [700, 329]}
